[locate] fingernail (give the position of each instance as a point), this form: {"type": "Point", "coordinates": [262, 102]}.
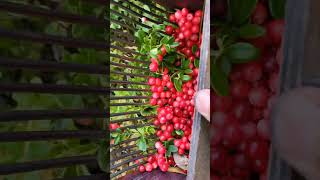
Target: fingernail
{"type": "Point", "coordinates": [202, 103]}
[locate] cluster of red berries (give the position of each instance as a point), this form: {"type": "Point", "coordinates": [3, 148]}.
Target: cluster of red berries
{"type": "Point", "coordinates": [188, 33]}
{"type": "Point", "coordinates": [241, 139]}
{"type": "Point", "coordinates": [155, 161]}
{"type": "Point", "coordinates": [175, 109]}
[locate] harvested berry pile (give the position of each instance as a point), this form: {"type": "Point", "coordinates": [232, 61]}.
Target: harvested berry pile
{"type": "Point", "coordinates": [175, 63]}
{"type": "Point", "coordinates": [244, 74]}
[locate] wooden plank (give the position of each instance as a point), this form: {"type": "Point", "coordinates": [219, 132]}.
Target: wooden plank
{"type": "Point", "coordinates": [300, 64]}
{"type": "Point", "coordinates": [199, 164]}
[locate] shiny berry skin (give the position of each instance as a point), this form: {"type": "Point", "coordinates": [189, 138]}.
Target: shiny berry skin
{"type": "Point", "coordinates": [258, 150]}
{"type": "Point", "coordinates": [258, 97]}
{"type": "Point", "coordinates": [169, 30]}
{"type": "Point", "coordinates": [198, 13]}
{"type": "Point", "coordinates": [172, 18]}
{"type": "Point", "coordinates": [153, 67]}
{"type": "Point", "coordinates": [142, 168]}
{"type": "Point", "coordinates": [252, 71]}
{"type": "Point", "coordinates": [263, 129]}
{"type": "Point", "coordinates": [220, 119]}
{"type": "Point", "coordinates": [164, 167]}
{"type": "Point", "coordinates": [149, 167]}
{"type": "Point", "coordinates": [239, 89]}
{"type": "Point", "coordinates": [232, 134]}
{"type": "Point", "coordinates": [249, 130]}
{"type": "Point", "coordinates": [275, 29]}
{"type": "Point", "coordinates": [221, 103]}
{"type": "Point", "coordinates": [260, 14]}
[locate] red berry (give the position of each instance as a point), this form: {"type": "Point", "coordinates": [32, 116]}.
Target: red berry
{"type": "Point", "coordinates": [275, 31]}
{"type": "Point", "coordinates": [258, 150]}
{"type": "Point", "coordinates": [162, 150]}
{"type": "Point", "coordinates": [263, 129]}
{"type": "Point", "coordinates": [195, 29]}
{"type": "Point", "coordinates": [232, 134]}
{"type": "Point", "coordinates": [221, 103]}
{"type": "Point", "coordinates": [153, 67]}
{"type": "Point", "coordinates": [178, 15]}
{"type": "Point", "coordinates": [220, 119]}
{"type": "Point", "coordinates": [249, 130]}
{"type": "Point", "coordinates": [142, 168]}
{"type": "Point", "coordinates": [198, 13]}
{"type": "Point", "coordinates": [184, 12]}
{"type": "Point", "coordinates": [241, 111]}
{"type": "Point", "coordinates": [252, 71]}
{"type": "Point", "coordinates": [169, 29]}
{"type": "Point", "coordinates": [189, 17]}
{"type": "Point", "coordinates": [149, 167]}
{"type": "Point", "coordinates": [260, 14]}
{"type": "Point", "coordinates": [258, 97]}
{"type": "Point", "coordinates": [158, 144]}
{"type": "Point", "coordinates": [172, 18]}
{"type": "Point", "coordinates": [196, 20]}
{"type": "Point", "coordinates": [239, 89]}
{"type": "Point", "coordinates": [164, 167]}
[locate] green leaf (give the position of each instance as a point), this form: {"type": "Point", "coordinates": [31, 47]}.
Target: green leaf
{"type": "Point", "coordinates": [185, 63]}
{"type": "Point", "coordinates": [174, 45]}
{"type": "Point", "coordinates": [196, 62]}
{"type": "Point", "coordinates": [177, 84]}
{"type": "Point", "coordinates": [242, 52]}
{"type": "Point", "coordinates": [186, 78]}
{"type": "Point", "coordinates": [142, 144]}
{"type": "Point", "coordinates": [168, 48]}
{"type": "Point", "coordinates": [251, 31]}
{"type": "Point", "coordinates": [241, 10]}
{"type": "Point", "coordinates": [277, 8]}
{"type": "Point", "coordinates": [154, 52]}
{"type": "Point", "coordinates": [188, 71]}
{"type": "Point", "coordinates": [117, 140]}
{"type": "Point", "coordinates": [179, 132]}
{"type": "Point", "coordinates": [194, 49]}
{"type": "Point", "coordinates": [170, 58]}
{"type": "Point", "coordinates": [172, 148]}
{"type": "Point", "coordinates": [225, 65]}
{"type": "Point", "coordinates": [164, 40]}
{"type": "Point", "coordinates": [219, 81]}
{"type": "Point", "coordinates": [103, 156]}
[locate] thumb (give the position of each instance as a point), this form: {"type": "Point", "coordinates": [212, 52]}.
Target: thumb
{"type": "Point", "coordinates": [202, 102]}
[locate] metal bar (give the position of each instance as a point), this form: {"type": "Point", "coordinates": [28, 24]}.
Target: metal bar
{"type": "Point", "coordinates": [122, 24]}
{"type": "Point", "coordinates": [127, 161]}
{"type": "Point", "coordinates": [126, 148]}
{"type": "Point", "coordinates": [129, 19]}
{"type": "Point", "coordinates": [157, 8]}
{"type": "Point", "coordinates": [129, 74]}
{"type": "Point", "coordinates": [128, 66]}
{"type": "Point", "coordinates": [133, 126]}
{"type": "Point", "coordinates": [132, 12]}
{"type": "Point", "coordinates": [133, 119]}
{"type": "Point", "coordinates": [52, 39]}
{"type": "Point", "coordinates": [122, 33]}
{"type": "Point", "coordinates": [128, 141]}
{"type": "Point", "coordinates": [127, 82]}
{"type": "Point", "coordinates": [53, 89]}
{"type": "Point", "coordinates": [128, 104]}
{"type": "Point", "coordinates": [113, 175]}
{"type": "Point", "coordinates": [128, 59]}
{"type": "Point", "coordinates": [23, 115]}
{"type": "Point", "coordinates": [124, 113]}
{"type": "Point", "coordinates": [89, 177]}
{"type": "Point", "coordinates": [6, 169]}
{"type": "Point", "coordinates": [50, 14]}
{"type": "Point", "coordinates": [121, 40]}
{"type": "Point", "coordinates": [130, 154]}
{"type": "Point", "coordinates": [128, 97]}
{"type": "Point", "coordinates": [125, 89]}
{"type": "Point", "coordinates": [51, 135]}
{"type": "Point", "coordinates": [145, 11]}
{"type": "Point", "coordinates": [50, 66]}
{"type": "Point", "coordinates": [126, 50]}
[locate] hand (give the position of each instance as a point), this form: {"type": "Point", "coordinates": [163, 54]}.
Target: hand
{"type": "Point", "coordinates": [296, 130]}
{"type": "Point", "coordinates": [202, 103]}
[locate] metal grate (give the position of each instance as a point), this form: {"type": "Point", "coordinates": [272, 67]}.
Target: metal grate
{"type": "Point", "coordinates": [125, 77]}
{"type": "Point", "coordinates": [52, 12]}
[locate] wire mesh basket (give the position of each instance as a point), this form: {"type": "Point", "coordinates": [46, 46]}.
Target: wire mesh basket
{"type": "Point", "coordinates": [130, 92]}
{"type": "Point", "coordinates": [49, 60]}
